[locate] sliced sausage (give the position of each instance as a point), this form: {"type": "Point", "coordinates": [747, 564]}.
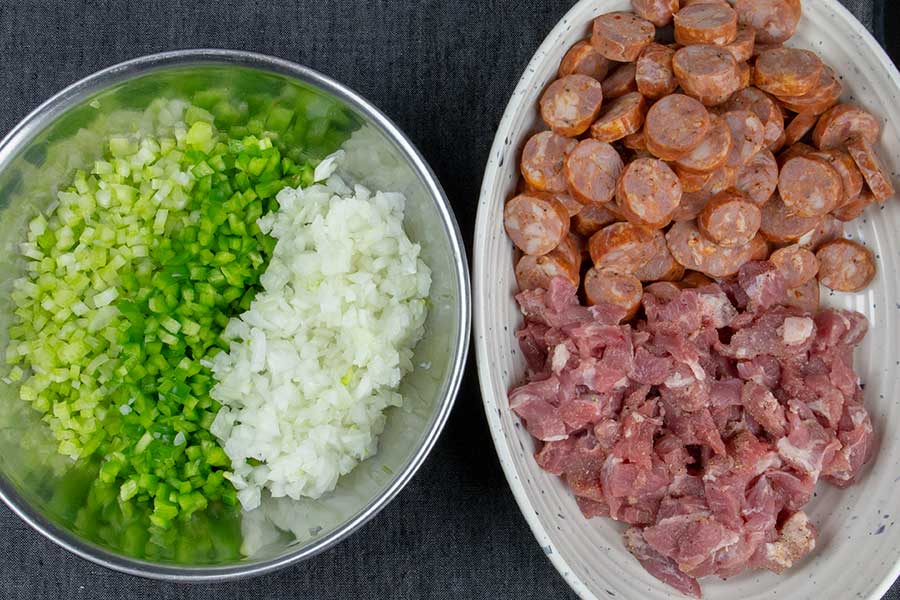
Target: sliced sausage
{"type": "Point", "coordinates": [845, 265]}
{"type": "Point", "coordinates": [759, 248]}
{"type": "Point", "coordinates": [705, 24]}
{"type": "Point", "coordinates": [775, 21]}
{"type": "Point", "coordinates": [537, 271]}
{"type": "Point", "coordinates": [871, 168]}
{"type": "Point", "coordinates": [853, 209]}
{"type": "Point", "coordinates": [694, 279]}
{"type": "Point", "coordinates": [805, 297]}
{"type": "Point", "coordinates": [729, 219]}
{"type": "Point", "coordinates": [622, 246]}
{"type": "Point", "coordinates": [571, 104]}
{"type": "Point", "coordinates": [662, 267]}
{"type": "Point", "coordinates": [573, 206]}
{"type": "Point", "coordinates": [591, 219]}
{"type": "Point", "coordinates": [686, 3]}
{"type": "Point", "coordinates": [591, 171]}
{"type": "Point", "coordinates": [648, 192]}
{"type": "Point", "coordinates": [809, 186]}
{"type": "Point", "coordinates": [820, 98]}
{"type": "Point", "coordinates": [851, 177]}
{"type": "Point", "coordinates": [620, 82]}
{"type": "Point", "coordinates": [613, 287]}
{"type": "Point", "coordinates": [692, 203]}
{"type": "Point", "coordinates": [674, 126]}
{"type": "Point", "coordinates": [763, 106]}
{"type": "Point", "coordinates": [797, 264]}
{"type": "Point", "coordinates": [787, 71]}
{"type": "Point", "coordinates": [827, 230]}
{"type": "Point", "coordinates": [536, 222]}
{"type": "Point", "coordinates": [780, 226]}
{"type": "Point", "coordinates": [742, 46]}
{"type": "Point", "coordinates": [691, 181]}
{"type": "Point", "coordinates": [635, 141]}
{"type": "Point", "coordinates": [712, 151]}
{"type": "Point", "coordinates": [623, 116]}
{"type": "Point", "coordinates": [758, 178]}
{"type": "Point", "coordinates": [583, 59]}
{"type": "Point", "coordinates": [543, 159]}
{"type": "Point", "coordinates": [745, 75]}
{"type": "Point", "coordinates": [658, 12]}
{"type": "Point", "coordinates": [747, 137]}
{"type": "Point", "coordinates": [653, 73]}
{"type": "Point", "coordinates": [708, 73]}
{"type": "Point", "coordinates": [694, 251]}
{"type": "Point", "coordinates": [798, 149]}
{"type": "Point", "coordinates": [842, 122]}
{"type": "Point", "coordinates": [664, 290]}
{"type": "Point", "coordinates": [799, 127]}
{"type": "Point", "coordinates": [621, 36]}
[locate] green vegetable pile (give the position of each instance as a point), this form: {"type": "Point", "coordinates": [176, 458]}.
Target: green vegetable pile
{"type": "Point", "coordinates": [131, 278]}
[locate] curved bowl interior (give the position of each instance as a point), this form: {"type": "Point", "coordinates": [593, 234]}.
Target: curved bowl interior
{"type": "Point", "coordinates": [858, 545]}
{"type": "Point", "coordinates": [40, 155]}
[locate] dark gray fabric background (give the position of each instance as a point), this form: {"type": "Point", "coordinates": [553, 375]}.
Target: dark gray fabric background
{"type": "Point", "coordinates": [443, 71]}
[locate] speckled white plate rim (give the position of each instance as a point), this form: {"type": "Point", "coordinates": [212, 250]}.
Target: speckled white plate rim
{"type": "Point", "coordinates": [486, 372]}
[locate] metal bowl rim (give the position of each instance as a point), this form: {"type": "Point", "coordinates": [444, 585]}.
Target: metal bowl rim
{"type": "Point", "coordinates": [67, 98]}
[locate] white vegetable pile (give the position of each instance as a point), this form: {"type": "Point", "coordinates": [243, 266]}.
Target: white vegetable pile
{"type": "Point", "coordinates": [316, 361]}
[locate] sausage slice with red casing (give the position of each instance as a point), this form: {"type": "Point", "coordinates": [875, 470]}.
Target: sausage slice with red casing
{"type": "Point", "coordinates": [797, 264]}
{"type": "Point", "coordinates": [543, 159]}
{"type": "Point", "coordinates": [729, 219]}
{"type": "Point", "coordinates": [853, 209]}
{"type": "Point", "coordinates": [653, 73]}
{"type": "Point", "coordinates": [712, 151]}
{"type": "Point", "coordinates": [695, 252]}
{"type": "Point", "coordinates": [841, 123]}
{"type": "Point", "coordinates": [658, 12]}
{"type": "Point", "coordinates": [592, 218]}
{"type": "Point", "coordinates": [871, 168]}
{"type": "Point", "coordinates": [536, 222]}
{"type": "Point", "coordinates": [583, 59]}
{"type": "Point", "coordinates": [591, 171]}
{"type": "Point", "coordinates": [622, 246]}
{"type": "Point", "coordinates": [674, 126]}
{"type": "Point", "coordinates": [706, 72]}
{"type": "Point", "coordinates": [623, 116]}
{"type": "Point", "coordinates": [705, 24]}
{"type": "Point", "coordinates": [809, 186]}
{"type": "Point", "coordinates": [763, 106]}
{"type": "Point", "coordinates": [614, 287]}
{"type": "Point", "coordinates": [787, 71]}
{"type": "Point", "coordinates": [570, 104]}
{"type": "Point", "coordinates": [662, 267]}
{"type": "Point", "coordinates": [621, 36]}
{"type": "Point", "coordinates": [781, 226]}
{"type": "Point", "coordinates": [537, 271]}
{"type": "Point", "coordinates": [648, 192]}
{"type": "Point", "coordinates": [742, 46]}
{"type": "Point", "coordinates": [620, 82]}
{"type": "Point", "coordinates": [748, 137]}
{"type": "Point", "coordinates": [820, 98]}
{"type": "Point", "coordinates": [799, 126]}
{"type": "Point", "coordinates": [851, 177]}
{"type": "Point", "coordinates": [775, 21]}
{"type": "Point", "coordinates": [758, 178]}
{"type": "Point", "coordinates": [845, 265]}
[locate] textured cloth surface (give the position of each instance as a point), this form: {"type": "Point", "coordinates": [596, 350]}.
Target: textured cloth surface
{"type": "Point", "coordinates": [443, 70]}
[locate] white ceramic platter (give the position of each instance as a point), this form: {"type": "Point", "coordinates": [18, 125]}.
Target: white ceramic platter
{"type": "Point", "coordinates": [858, 555]}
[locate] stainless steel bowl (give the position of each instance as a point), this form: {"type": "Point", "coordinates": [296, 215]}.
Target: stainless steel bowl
{"type": "Point", "coordinates": [38, 155]}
